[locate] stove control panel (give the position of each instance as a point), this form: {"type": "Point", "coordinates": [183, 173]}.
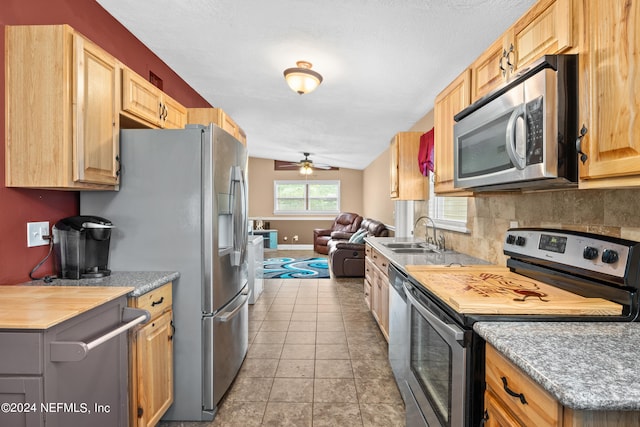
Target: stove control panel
{"type": "Point", "coordinates": [582, 250]}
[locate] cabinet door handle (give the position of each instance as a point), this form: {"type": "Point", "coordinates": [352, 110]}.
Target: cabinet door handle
{"type": "Point", "coordinates": [119, 166]}
{"type": "Point", "coordinates": [511, 392]}
{"type": "Point", "coordinates": [504, 70]}
{"type": "Point", "coordinates": [509, 63]}
{"type": "Point", "coordinates": [484, 419]}
{"type": "Point", "coordinates": [160, 301]}
{"type": "Point", "coordinates": [583, 155]}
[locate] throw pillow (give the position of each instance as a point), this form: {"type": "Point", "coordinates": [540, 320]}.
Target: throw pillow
{"type": "Point", "coordinates": [358, 236]}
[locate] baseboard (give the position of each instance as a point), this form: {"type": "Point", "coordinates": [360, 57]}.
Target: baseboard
{"type": "Point", "coordinates": [295, 247]}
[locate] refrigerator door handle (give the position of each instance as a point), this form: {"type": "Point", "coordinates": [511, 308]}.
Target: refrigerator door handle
{"type": "Point", "coordinates": [233, 313]}
{"type": "Point", "coordinates": [238, 229]}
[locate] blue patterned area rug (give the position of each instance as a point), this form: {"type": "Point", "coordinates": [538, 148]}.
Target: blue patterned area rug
{"type": "Point", "coordinates": [296, 268]}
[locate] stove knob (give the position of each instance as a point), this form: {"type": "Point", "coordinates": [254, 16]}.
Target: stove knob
{"type": "Point", "coordinates": [590, 252]}
{"type": "Point", "coordinates": [609, 256]}
{"type": "Point", "coordinates": [520, 241]}
{"type": "Point", "coordinates": [511, 239]}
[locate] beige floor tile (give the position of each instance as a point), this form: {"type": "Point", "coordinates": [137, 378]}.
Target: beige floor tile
{"type": "Point", "coordinates": [295, 368]}
{"type": "Point", "coordinates": [329, 308]}
{"type": "Point", "coordinates": [330, 326]}
{"type": "Point", "coordinates": [333, 337]}
{"type": "Point", "coordinates": [378, 390]}
{"type": "Point", "coordinates": [368, 368]}
{"type": "Point", "coordinates": [336, 415]}
{"type": "Point", "coordinates": [240, 414]}
{"type": "Point", "coordinates": [306, 337]}
{"type": "Point", "coordinates": [332, 351]}
{"type": "Point", "coordinates": [305, 308]}
{"type": "Point", "coordinates": [301, 316]}
{"type": "Point", "coordinates": [287, 308]}
{"type": "Point", "coordinates": [297, 326]}
{"type": "Point", "coordinates": [250, 390]}
{"type": "Point", "coordinates": [382, 415]}
{"type": "Point", "coordinates": [334, 390]}
{"type": "Point", "coordinates": [298, 351]}
{"type": "Point", "coordinates": [258, 368]}
{"type": "Point", "coordinates": [275, 325]}
{"type": "Point", "coordinates": [329, 317]}
{"type": "Point", "coordinates": [264, 351]}
{"type": "Point", "coordinates": [299, 390]}
{"type": "Point", "coordinates": [277, 315]}
{"type": "Point", "coordinates": [332, 368]}
{"type": "Point", "coordinates": [282, 414]}
{"type": "Point", "coordinates": [302, 300]}
{"type": "Point", "coordinates": [269, 337]}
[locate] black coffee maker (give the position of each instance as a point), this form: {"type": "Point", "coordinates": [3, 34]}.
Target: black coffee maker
{"type": "Point", "coordinates": [81, 247]}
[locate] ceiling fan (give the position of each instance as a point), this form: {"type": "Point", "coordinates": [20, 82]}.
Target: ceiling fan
{"type": "Point", "coordinates": [306, 165]}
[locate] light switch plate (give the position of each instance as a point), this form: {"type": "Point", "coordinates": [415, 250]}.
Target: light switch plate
{"type": "Point", "coordinates": [35, 231]}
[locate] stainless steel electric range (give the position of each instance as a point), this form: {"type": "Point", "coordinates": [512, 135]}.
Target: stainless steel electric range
{"type": "Point", "coordinates": [551, 275]}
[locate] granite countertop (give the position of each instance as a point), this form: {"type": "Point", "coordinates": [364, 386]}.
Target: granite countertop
{"type": "Point", "coordinates": [141, 281]}
{"type": "Point", "coordinates": [584, 365]}
{"type": "Point", "coordinates": [401, 260]}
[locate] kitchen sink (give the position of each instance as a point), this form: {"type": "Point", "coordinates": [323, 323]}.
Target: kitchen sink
{"type": "Point", "coordinates": [405, 245]}
{"type": "Point", "coordinates": [414, 250]}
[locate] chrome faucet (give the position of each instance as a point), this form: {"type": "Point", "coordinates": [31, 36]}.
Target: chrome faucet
{"type": "Point", "coordinates": [439, 242]}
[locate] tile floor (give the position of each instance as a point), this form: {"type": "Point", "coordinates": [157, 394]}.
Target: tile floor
{"type": "Point", "coordinates": [316, 358]}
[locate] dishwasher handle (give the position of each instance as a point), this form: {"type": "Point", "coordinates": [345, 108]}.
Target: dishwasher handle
{"type": "Point", "coordinates": [75, 351]}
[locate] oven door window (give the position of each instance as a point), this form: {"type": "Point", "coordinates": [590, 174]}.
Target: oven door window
{"type": "Point", "coordinates": [432, 364]}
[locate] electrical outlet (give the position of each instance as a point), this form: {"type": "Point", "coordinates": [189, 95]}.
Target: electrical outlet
{"type": "Point", "coordinates": [295, 238]}
{"type": "Point", "coordinates": [35, 233]}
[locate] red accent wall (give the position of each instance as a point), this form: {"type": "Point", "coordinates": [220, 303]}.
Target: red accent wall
{"type": "Point", "coordinates": [19, 206]}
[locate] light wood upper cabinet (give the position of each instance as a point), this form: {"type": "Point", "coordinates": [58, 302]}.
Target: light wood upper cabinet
{"type": "Point", "coordinates": [61, 110]}
{"type": "Point", "coordinates": [448, 103]}
{"type": "Point", "coordinates": [217, 116]}
{"type": "Point", "coordinates": [609, 73]}
{"type": "Point", "coordinates": [407, 183]}
{"type": "Point", "coordinates": [546, 28]}
{"type": "Point", "coordinates": [141, 100]}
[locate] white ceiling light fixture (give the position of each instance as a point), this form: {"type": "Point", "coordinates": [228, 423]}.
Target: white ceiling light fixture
{"type": "Point", "coordinates": [302, 79]}
{"type": "Point", "coordinates": [306, 169]}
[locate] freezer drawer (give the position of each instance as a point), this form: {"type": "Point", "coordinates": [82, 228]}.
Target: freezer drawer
{"type": "Point", "coordinates": [226, 339]}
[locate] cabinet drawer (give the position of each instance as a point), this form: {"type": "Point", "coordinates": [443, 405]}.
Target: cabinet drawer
{"type": "Point", "coordinates": [540, 409]}
{"type": "Point", "coordinates": [367, 293]}
{"type": "Point", "coordinates": [368, 270]}
{"type": "Point", "coordinates": [155, 301]}
{"type": "Point", "coordinates": [21, 353]}
{"type": "Point", "coordinates": [380, 261]}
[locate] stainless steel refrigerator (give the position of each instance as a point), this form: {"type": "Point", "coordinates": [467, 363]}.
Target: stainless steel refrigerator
{"type": "Point", "coordinates": [182, 206]}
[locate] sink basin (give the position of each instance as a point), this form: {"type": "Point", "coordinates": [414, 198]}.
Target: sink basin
{"type": "Point", "coordinates": [413, 250]}
{"type": "Point", "coordinates": [405, 245]}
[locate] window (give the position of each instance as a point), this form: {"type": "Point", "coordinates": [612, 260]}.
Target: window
{"type": "Point", "coordinates": [448, 212]}
{"type": "Point", "coordinates": [316, 197]}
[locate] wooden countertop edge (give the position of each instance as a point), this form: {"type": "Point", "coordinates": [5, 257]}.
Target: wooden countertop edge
{"type": "Point", "coordinates": [39, 308]}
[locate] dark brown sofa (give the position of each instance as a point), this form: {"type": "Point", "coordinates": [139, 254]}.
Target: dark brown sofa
{"type": "Point", "coordinates": [345, 224]}
{"type": "Point", "coordinates": [347, 259]}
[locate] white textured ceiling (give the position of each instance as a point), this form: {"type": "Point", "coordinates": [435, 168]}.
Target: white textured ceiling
{"type": "Point", "coordinates": [383, 63]}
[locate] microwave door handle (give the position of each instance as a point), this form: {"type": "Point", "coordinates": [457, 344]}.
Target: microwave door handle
{"type": "Point", "coordinates": [510, 143]}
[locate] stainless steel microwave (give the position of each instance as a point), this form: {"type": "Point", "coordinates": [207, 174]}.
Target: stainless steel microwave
{"type": "Point", "coordinates": [522, 135]}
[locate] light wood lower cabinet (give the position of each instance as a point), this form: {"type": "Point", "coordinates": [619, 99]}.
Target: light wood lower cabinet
{"type": "Point", "coordinates": [377, 284]}
{"type": "Point", "coordinates": [151, 359]}
{"type": "Point", "coordinates": [512, 398]}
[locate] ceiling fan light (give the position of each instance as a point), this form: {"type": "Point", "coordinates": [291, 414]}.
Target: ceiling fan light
{"type": "Point", "coordinates": [302, 79]}
{"type": "Point", "coordinates": [306, 170]}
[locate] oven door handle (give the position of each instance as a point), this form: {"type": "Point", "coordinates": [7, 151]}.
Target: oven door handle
{"type": "Point", "coordinates": [439, 325]}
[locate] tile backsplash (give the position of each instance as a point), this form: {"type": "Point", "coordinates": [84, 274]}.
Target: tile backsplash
{"type": "Point", "coordinates": [609, 212]}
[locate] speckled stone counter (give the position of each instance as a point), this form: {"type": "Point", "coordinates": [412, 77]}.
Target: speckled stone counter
{"type": "Point", "coordinates": [584, 365]}
{"type": "Point", "coordinates": [142, 281]}
{"type": "Point", "coordinates": [431, 258]}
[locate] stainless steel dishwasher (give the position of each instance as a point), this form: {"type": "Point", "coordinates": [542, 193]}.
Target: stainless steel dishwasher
{"type": "Point", "coordinates": [398, 329]}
